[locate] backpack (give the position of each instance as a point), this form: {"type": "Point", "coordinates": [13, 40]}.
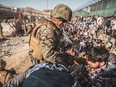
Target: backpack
{"type": "Point", "coordinates": [48, 78]}
{"type": "Point", "coordinates": [34, 41]}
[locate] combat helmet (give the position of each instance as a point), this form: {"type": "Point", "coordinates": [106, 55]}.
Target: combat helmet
{"type": "Point", "coordinates": [62, 11]}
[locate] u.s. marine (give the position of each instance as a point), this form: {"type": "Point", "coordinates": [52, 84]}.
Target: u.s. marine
{"type": "Point", "coordinates": [48, 37]}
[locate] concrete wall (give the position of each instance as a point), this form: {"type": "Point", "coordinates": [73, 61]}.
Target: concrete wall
{"type": "Point", "coordinates": [8, 29]}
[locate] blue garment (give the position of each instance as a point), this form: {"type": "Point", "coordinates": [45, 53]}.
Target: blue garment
{"type": "Point", "coordinates": [50, 66]}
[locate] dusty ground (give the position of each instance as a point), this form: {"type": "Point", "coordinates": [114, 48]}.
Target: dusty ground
{"type": "Point", "coordinates": [14, 50]}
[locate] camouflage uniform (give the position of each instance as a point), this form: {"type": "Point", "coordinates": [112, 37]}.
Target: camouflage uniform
{"type": "Point", "coordinates": [28, 28]}
{"type": "Point", "coordinates": [51, 39]}
{"type": "Point", "coordinates": [52, 42]}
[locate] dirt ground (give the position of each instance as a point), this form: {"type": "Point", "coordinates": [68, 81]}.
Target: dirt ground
{"type": "Point", "coordinates": [14, 50]}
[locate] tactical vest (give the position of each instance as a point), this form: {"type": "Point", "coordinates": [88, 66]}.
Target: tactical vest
{"type": "Point", "coordinates": [34, 42]}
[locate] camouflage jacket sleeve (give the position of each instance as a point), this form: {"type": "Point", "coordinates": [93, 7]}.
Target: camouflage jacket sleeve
{"type": "Point", "coordinates": [49, 42]}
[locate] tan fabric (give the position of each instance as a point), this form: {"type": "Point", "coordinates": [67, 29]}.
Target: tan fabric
{"type": "Point", "coordinates": [34, 41]}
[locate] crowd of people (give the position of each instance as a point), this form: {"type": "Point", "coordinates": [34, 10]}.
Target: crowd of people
{"type": "Point", "coordinates": [71, 52]}
{"type": "Point", "coordinates": [91, 31]}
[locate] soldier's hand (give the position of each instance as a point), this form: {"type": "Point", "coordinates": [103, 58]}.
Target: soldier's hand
{"type": "Point", "coordinates": [71, 52]}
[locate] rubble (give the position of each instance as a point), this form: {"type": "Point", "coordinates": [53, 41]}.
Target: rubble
{"type": "Point", "coordinates": [14, 50]}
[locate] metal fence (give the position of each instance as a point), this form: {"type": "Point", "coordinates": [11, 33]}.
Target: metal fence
{"type": "Point", "coordinates": [97, 7]}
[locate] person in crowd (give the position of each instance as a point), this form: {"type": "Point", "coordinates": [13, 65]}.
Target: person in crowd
{"type": "Point", "coordinates": [112, 58]}
{"type": "Point", "coordinates": [46, 74]}
{"type": "Point", "coordinates": [49, 35]}
{"type": "Point", "coordinates": [113, 26]}
{"type": "Point", "coordinates": [1, 30]}
{"type": "Point", "coordinates": [97, 72]}
{"type": "Point", "coordinates": [5, 74]}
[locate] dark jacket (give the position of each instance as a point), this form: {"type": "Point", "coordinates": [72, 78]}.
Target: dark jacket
{"type": "Point", "coordinates": [104, 77]}
{"type": "Point", "coordinates": [43, 75]}
{"type": "Point", "coordinates": [48, 78]}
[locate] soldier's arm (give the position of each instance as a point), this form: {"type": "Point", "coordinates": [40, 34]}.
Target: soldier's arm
{"type": "Point", "coordinates": [16, 81]}
{"type": "Point", "coordinates": [48, 43]}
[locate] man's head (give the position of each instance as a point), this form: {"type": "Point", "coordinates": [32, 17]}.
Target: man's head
{"type": "Point", "coordinates": [65, 59]}
{"type": "Point", "coordinates": [62, 13]}
{"type": "Point", "coordinates": [98, 57]}
{"type": "Point", "coordinates": [112, 58]}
